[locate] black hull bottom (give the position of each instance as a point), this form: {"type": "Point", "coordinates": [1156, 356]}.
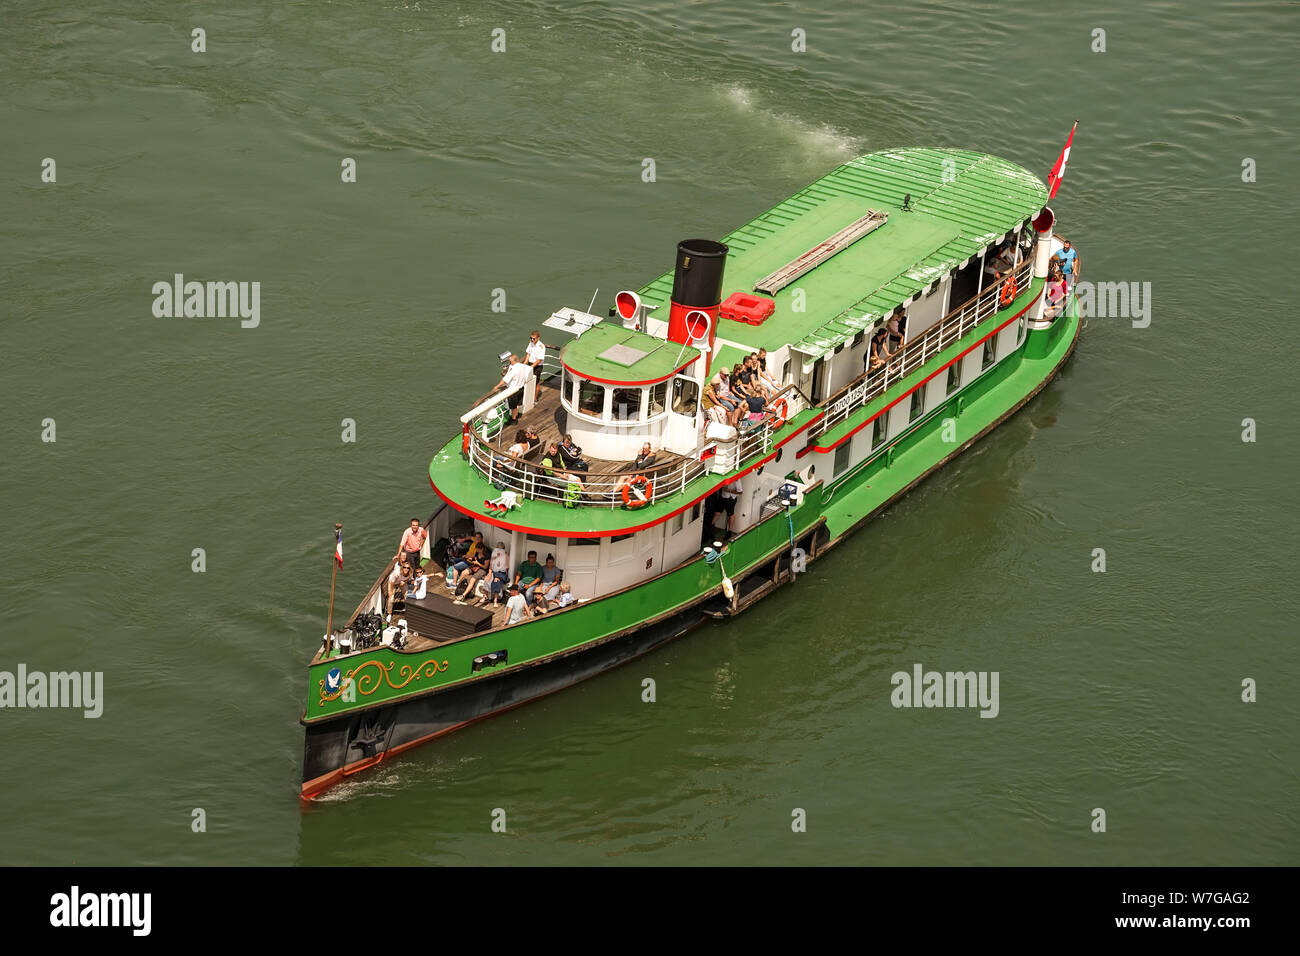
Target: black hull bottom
{"type": "Point", "coordinates": [338, 748]}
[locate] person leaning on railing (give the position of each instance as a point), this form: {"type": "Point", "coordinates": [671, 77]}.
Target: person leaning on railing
{"type": "Point", "coordinates": [571, 455]}
{"type": "Point", "coordinates": [1056, 293]}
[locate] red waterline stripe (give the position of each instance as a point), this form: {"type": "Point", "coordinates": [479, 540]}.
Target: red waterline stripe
{"type": "Point", "coordinates": [510, 526]}
{"type": "Point", "coordinates": [811, 448]}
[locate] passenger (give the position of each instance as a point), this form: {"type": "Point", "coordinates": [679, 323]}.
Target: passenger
{"type": "Point", "coordinates": [757, 407]}
{"type": "Point", "coordinates": [571, 455]}
{"type": "Point", "coordinates": [418, 586]}
{"type": "Point", "coordinates": [713, 408]}
{"type": "Point", "coordinates": [562, 599]}
{"type": "Point", "coordinates": [897, 329]}
{"type": "Point", "coordinates": [1070, 262]}
{"type": "Point", "coordinates": [412, 544]}
{"type": "Point", "coordinates": [550, 467]}
{"type": "Point", "coordinates": [879, 349]}
{"type": "Point", "coordinates": [764, 378]}
{"type": "Point", "coordinates": [530, 436]}
{"type": "Point", "coordinates": [729, 495]}
{"type": "Point", "coordinates": [397, 589]}
{"type": "Point", "coordinates": [396, 579]}
{"type": "Point", "coordinates": [548, 585]}
{"type": "Point", "coordinates": [725, 397]}
{"type": "Point", "coordinates": [1057, 290]}
{"type": "Point", "coordinates": [536, 352]}
{"type": "Point", "coordinates": [517, 373]}
{"type": "Point", "coordinates": [742, 382]}
{"type": "Point", "coordinates": [499, 568]}
{"type": "Point", "coordinates": [530, 572]}
{"type": "Point", "coordinates": [516, 607]}
{"type": "Point", "coordinates": [521, 447]}
{"type": "Point", "coordinates": [645, 459]}
{"type": "Point", "coordinates": [475, 559]}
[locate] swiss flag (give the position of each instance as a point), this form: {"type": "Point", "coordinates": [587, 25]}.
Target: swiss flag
{"type": "Point", "coordinates": [1058, 171]}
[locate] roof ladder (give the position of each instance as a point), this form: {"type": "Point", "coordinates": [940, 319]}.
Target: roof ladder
{"type": "Point", "coordinates": [818, 254]}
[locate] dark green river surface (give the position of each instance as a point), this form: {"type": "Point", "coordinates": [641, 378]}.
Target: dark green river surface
{"type": "Point", "coordinates": [521, 170]}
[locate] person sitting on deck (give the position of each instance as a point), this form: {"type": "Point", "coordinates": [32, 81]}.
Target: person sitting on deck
{"type": "Point", "coordinates": [645, 459]}
{"type": "Point", "coordinates": [756, 407]}
{"type": "Point", "coordinates": [1056, 293]}
{"type": "Point", "coordinates": [412, 544]}
{"type": "Point", "coordinates": [521, 447]}
{"type": "Point", "coordinates": [769, 381]}
{"type": "Point", "coordinates": [548, 585]}
{"type": "Point", "coordinates": [456, 548]}
{"type": "Point", "coordinates": [417, 586]}
{"type": "Point", "coordinates": [531, 437]}
{"type": "Point", "coordinates": [475, 559]}
{"type": "Point", "coordinates": [530, 572]}
{"type": "Point", "coordinates": [563, 597]}
{"type": "Point", "coordinates": [499, 568]}
{"type": "Point", "coordinates": [517, 373]}
{"type": "Point", "coordinates": [998, 262]}
{"type": "Point", "coordinates": [713, 409]}
{"type": "Point", "coordinates": [516, 607]}
{"type": "Point", "coordinates": [724, 396]}
{"type": "Point", "coordinates": [760, 376]}
{"type": "Point", "coordinates": [571, 455]}
{"type": "Point", "coordinates": [573, 487]}
{"type": "Point", "coordinates": [742, 382]}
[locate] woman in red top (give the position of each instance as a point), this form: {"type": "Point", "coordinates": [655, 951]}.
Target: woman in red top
{"type": "Point", "coordinates": [1056, 292]}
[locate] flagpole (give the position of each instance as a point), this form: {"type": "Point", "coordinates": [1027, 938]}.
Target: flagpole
{"type": "Point", "coordinates": [334, 573]}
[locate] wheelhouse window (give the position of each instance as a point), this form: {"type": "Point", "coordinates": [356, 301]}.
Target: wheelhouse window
{"type": "Point", "coordinates": [954, 377]}
{"type": "Point", "coordinates": [686, 395]}
{"type": "Point", "coordinates": [918, 404]}
{"type": "Point", "coordinates": [627, 404]}
{"type": "Point", "coordinates": [658, 395]}
{"type": "Point", "coordinates": [990, 351]}
{"type": "Point", "coordinates": [591, 398]}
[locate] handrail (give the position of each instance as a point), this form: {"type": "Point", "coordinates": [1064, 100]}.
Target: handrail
{"type": "Point", "coordinates": [917, 352]}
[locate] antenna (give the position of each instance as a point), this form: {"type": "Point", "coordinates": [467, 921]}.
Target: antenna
{"type": "Point", "coordinates": [593, 300]}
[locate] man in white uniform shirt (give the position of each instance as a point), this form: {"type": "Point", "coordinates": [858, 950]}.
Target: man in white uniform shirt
{"type": "Point", "coordinates": [536, 356]}
{"type": "Point", "coordinates": [516, 374]}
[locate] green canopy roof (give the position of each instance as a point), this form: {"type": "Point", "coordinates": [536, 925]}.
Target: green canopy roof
{"type": "Point", "coordinates": [610, 353]}
{"type": "Point", "coordinates": [960, 202]}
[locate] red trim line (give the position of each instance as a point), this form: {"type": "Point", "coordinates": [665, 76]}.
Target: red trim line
{"type": "Point", "coordinates": [649, 381]}
{"type": "Point", "coordinates": [818, 448]}
{"type": "Point", "coordinates": [510, 526]}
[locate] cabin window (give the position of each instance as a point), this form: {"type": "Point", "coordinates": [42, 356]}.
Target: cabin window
{"type": "Point", "coordinates": [621, 537]}
{"type": "Point", "coordinates": [841, 459]}
{"type": "Point", "coordinates": [584, 541]}
{"type": "Point", "coordinates": [677, 522]}
{"type": "Point", "coordinates": [918, 404]}
{"type": "Point", "coordinates": [1020, 329]}
{"type": "Point", "coordinates": [686, 395]}
{"type": "Point", "coordinates": [627, 404]}
{"type": "Point", "coordinates": [880, 431]}
{"type": "Point", "coordinates": [591, 398]}
{"type": "Point", "coordinates": [658, 395]}
{"type": "Point", "coordinates": [695, 512]}
{"type": "Point", "coordinates": [990, 351]}
{"type": "Point", "coordinates": [954, 377]}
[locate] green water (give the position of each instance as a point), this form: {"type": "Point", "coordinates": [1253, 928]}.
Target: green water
{"type": "Point", "coordinates": [521, 171]}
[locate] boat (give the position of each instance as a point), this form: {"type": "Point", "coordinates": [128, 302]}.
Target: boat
{"type": "Point", "coordinates": [900, 303]}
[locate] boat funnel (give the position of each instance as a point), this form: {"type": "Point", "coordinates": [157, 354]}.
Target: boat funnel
{"type": "Point", "coordinates": [697, 288]}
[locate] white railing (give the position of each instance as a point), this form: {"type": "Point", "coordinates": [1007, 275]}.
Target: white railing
{"type": "Point", "coordinates": [914, 354]}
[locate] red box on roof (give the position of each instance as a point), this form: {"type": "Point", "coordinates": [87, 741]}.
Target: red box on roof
{"type": "Point", "coordinates": [746, 307]}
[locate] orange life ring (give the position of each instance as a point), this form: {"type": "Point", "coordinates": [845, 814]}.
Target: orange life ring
{"type": "Point", "coordinates": [637, 481]}
{"type": "Point", "coordinates": [779, 420]}
{"type": "Point", "coordinates": [464, 440]}
{"type": "Point", "coordinates": [1008, 290]}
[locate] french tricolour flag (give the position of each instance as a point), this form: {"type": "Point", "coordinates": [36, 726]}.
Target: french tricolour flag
{"type": "Point", "coordinates": [338, 547]}
{"type": "Point", "coordinates": [1058, 171]}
